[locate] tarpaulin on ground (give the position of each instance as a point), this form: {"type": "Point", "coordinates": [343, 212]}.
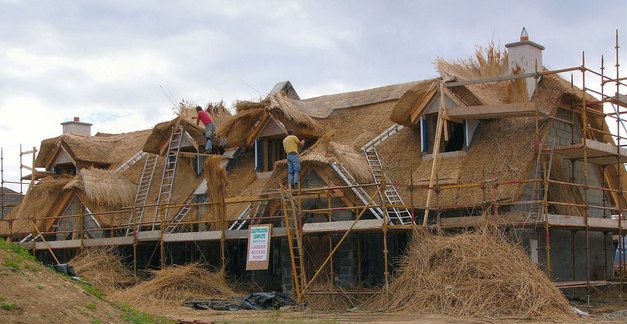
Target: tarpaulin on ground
{"type": "Point", "coordinates": [265, 300]}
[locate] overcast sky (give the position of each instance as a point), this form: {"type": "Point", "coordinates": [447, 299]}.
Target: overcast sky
{"type": "Point", "coordinates": [120, 64]}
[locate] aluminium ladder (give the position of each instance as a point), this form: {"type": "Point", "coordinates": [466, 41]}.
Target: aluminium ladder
{"type": "Point", "coordinates": [141, 196]}
{"type": "Point", "coordinates": [397, 214]}
{"type": "Point", "coordinates": [131, 161]}
{"type": "Point", "coordinates": [400, 216]}
{"type": "Point", "coordinates": [360, 192]}
{"type": "Point", "coordinates": [294, 240]}
{"type": "Point", "coordinates": [244, 217]}
{"type": "Point", "coordinates": [169, 173]}
{"type": "Point", "coordinates": [180, 215]}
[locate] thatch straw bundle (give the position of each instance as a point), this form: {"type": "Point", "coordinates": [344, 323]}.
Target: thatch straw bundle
{"type": "Point", "coordinates": [105, 187]}
{"type": "Point", "coordinates": [216, 187]}
{"type": "Point", "coordinates": [103, 268]}
{"type": "Point", "coordinates": [38, 202]}
{"type": "Point", "coordinates": [487, 62]}
{"type": "Point", "coordinates": [475, 274]}
{"type": "Point", "coordinates": [176, 284]}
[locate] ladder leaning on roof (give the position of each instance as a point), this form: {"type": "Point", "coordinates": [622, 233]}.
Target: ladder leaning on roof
{"type": "Point", "coordinates": [294, 240]}
{"type": "Point", "coordinates": [398, 215]}
{"type": "Point", "coordinates": [244, 217]}
{"type": "Point", "coordinates": [360, 192]}
{"type": "Point", "coordinates": [180, 215]}
{"type": "Point", "coordinates": [141, 196]}
{"type": "Point", "coordinates": [169, 172]}
{"type": "Point", "coordinates": [131, 161]}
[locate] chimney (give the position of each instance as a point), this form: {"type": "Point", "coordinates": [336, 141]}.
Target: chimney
{"type": "Point", "coordinates": [523, 55]}
{"type": "Point", "coordinates": [76, 127]}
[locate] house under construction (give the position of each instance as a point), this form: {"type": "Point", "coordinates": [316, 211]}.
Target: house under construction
{"type": "Point", "coordinates": [494, 139]}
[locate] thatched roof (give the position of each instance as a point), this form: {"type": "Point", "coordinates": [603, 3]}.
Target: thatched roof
{"type": "Point", "coordinates": [38, 202]}
{"type": "Point", "coordinates": [303, 116]}
{"type": "Point", "coordinates": [104, 187]}
{"type": "Point", "coordinates": [160, 135]}
{"type": "Point", "coordinates": [102, 149]}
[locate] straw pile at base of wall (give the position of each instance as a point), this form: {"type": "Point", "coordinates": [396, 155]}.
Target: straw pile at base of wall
{"type": "Point", "coordinates": [103, 268]}
{"type": "Point", "coordinates": [475, 274]}
{"type": "Point", "coordinates": [174, 285]}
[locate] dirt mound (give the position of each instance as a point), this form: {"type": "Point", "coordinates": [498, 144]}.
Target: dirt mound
{"type": "Point", "coordinates": [174, 285]}
{"type": "Point", "coordinates": [33, 293]}
{"type": "Point", "coordinates": [103, 268]}
{"type": "Point", "coordinates": [476, 274]}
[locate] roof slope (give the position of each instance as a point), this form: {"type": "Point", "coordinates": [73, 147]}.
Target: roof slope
{"type": "Point", "coordinates": [101, 149]}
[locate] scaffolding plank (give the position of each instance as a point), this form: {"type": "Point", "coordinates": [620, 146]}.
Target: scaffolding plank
{"type": "Point", "coordinates": [492, 111]}
{"type": "Point", "coordinates": [598, 152]}
{"type": "Point", "coordinates": [108, 241]}
{"type": "Point", "coordinates": [54, 245]}
{"type": "Point", "coordinates": [342, 226]}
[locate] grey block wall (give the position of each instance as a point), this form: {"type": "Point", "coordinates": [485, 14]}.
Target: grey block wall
{"type": "Point", "coordinates": [562, 134]}
{"type": "Point", "coordinates": [563, 268]}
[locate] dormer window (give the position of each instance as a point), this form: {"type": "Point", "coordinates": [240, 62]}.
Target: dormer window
{"type": "Point", "coordinates": [64, 164]}
{"type": "Point", "coordinates": [267, 151]}
{"type": "Point", "coordinates": [454, 139]}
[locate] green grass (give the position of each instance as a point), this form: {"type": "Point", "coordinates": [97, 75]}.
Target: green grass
{"type": "Point", "coordinates": [19, 251]}
{"type": "Point", "coordinates": [95, 321]}
{"type": "Point", "coordinates": [8, 306]}
{"type": "Point", "coordinates": [40, 287]}
{"type": "Point", "coordinates": [91, 306]}
{"type": "Point", "coordinates": [134, 316]}
{"type": "Point", "coordinates": [88, 288]}
{"type": "Point", "coordinates": [12, 262]}
{"type": "Point", "coordinates": [17, 257]}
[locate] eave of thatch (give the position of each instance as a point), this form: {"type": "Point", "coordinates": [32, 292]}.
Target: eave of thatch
{"type": "Point", "coordinates": [44, 201]}
{"type": "Point", "coordinates": [101, 150]}
{"type": "Point", "coordinates": [159, 138]}
{"type": "Point", "coordinates": [404, 107]}
{"type": "Point", "coordinates": [104, 187]}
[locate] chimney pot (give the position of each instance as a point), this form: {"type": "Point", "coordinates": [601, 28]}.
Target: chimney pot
{"type": "Point", "coordinates": [77, 119]}
{"type": "Point", "coordinates": [523, 35]}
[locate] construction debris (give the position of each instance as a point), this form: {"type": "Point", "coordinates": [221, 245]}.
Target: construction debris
{"type": "Point", "coordinates": [266, 300]}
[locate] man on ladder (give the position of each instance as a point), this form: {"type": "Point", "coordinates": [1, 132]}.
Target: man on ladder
{"type": "Point", "coordinates": [210, 127]}
{"type": "Point", "coordinates": [291, 144]}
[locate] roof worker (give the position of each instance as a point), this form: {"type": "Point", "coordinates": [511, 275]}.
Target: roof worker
{"type": "Point", "coordinates": [210, 127]}
{"type": "Point", "coordinates": [291, 144]}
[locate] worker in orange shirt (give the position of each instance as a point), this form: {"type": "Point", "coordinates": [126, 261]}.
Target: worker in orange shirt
{"type": "Point", "coordinates": [291, 144]}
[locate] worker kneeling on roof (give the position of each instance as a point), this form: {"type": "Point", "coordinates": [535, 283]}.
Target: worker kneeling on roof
{"type": "Point", "coordinates": [210, 127]}
{"type": "Point", "coordinates": [291, 144]}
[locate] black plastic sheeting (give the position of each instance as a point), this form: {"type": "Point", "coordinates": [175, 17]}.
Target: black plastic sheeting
{"type": "Point", "coordinates": [65, 269]}
{"type": "Point", "coordinates": [265, 300]}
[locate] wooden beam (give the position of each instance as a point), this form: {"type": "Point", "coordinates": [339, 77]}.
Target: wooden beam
{"type": "Point", "coordinates": [492, 111]}
{"type": "Point", "coordinates": [257, 129]}
{"type": "Point", "coordinates": [598, 152]}
{"type": "Point", "coordinates": [424, 103]}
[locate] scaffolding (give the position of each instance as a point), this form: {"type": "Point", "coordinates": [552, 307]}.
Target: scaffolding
{"type": "Point", "coordinates": [605, 153]}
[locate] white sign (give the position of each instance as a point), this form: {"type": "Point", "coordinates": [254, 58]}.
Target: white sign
{"type": "Point", "coordinates": [258, 247]}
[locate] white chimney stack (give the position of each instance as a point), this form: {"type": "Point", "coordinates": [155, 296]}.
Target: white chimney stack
{"type": "Point", "coordinates": [76, 127]}
{"type": "Point", "coordinates": [524, 55]}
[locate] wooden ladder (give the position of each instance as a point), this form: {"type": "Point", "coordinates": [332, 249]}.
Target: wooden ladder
{"type": "Point", "coordinates": [294, 240]}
